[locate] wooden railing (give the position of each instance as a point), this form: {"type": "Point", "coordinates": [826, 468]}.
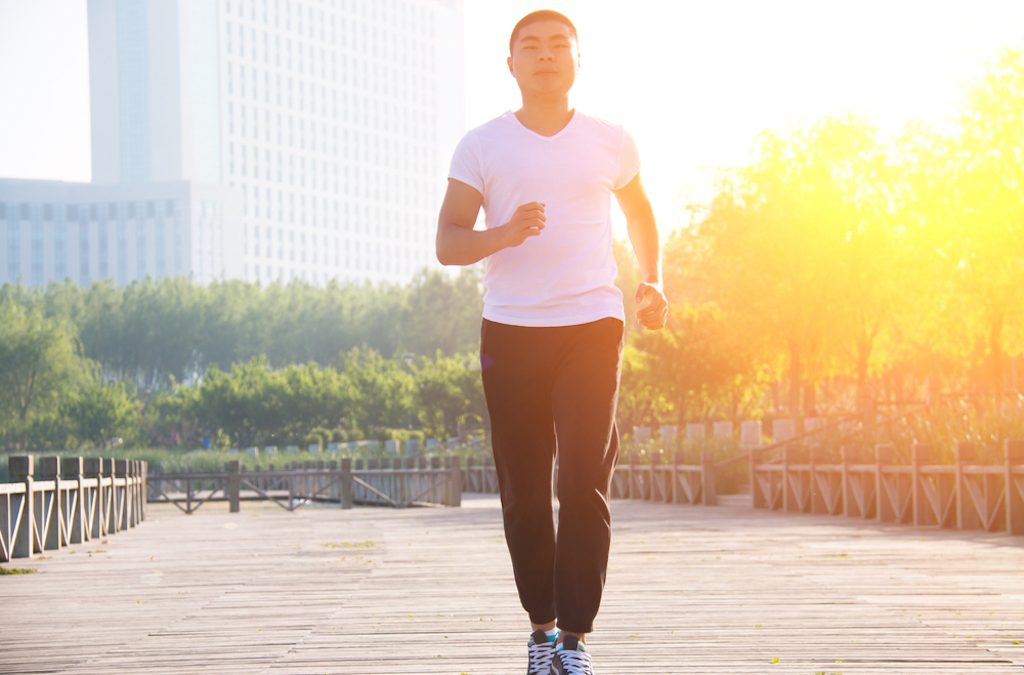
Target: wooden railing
{"type": "Point", "coordinates": [634, 478]}
{"type": "Point", "coordinates": [961, 495]}
{"type": "Point", "coordinates": [392, 482]}
{"type": "Point", "coordinates": [67, 500]}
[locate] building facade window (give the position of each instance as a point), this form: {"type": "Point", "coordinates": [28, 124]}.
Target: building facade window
{"type": "Point", "coordinates": [13, 251]}
{"type": "Point", "coordinates": [84, 272]}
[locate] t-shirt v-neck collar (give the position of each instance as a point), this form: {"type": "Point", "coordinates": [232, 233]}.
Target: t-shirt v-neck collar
{"type": "Point", "coordinates": [561, 132]}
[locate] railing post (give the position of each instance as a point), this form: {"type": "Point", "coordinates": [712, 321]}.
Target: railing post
{"type": "Point", "coordinates": [707, 475]}
{"type": "Point", "coordinates": [455, 481]}
{"type": "Point", "coordinates": [470, 479]}
{"type": "Point", "coordinates": [334, 494]}
{"type": "Point", "coordinates": [436, 495]}
{"type": "Point", "coordinates": [677, 461]}
{"type": "Point", "coordinates": [234, 484]}
{"type": "Point", "coordinates": [71, 468]}
{"type": "Point", "coordinates": [625, 466]}
{"type": "Point", "coordinates": [21, 468]}
{"type": "Point", "coordinates": [91, 470]}
{"type": "Point", "coordinates": [345, 477]}
{"type": "Point", "coordinates": [113, 501]}
{"type": "Point", "coordinates": [135, 468]}
{"type": "Point", "coordinates": [642, 468]}
{"type": "Point", "coordinates": [917, 452]}
{"type": "Point", "coordinates": [883, 512]}
{"type": "Point", "coordinates": [291, 486]}
{"type": "Point", "coordinates": [1013, 455]}
{"type": "Point", "coordinates": [815, 500]}
{"type": "Point", "coordinates": [387, 482]}
{"type": "Point", "coordinates": [963, 452]}
{"type": "Point", "coordinates": [144, 465]}
{"type": "Point", "coordinates": [124, 514]}
{"type": "Point", "coordinates": [487, 471]}
{"type": "Point", "coordinates": [132, 512]}
{"type": "Point", "coordinates": [786, 450]}
{"type": "Point", "coordinates": [844, 477]}
{"type": "Point", "coordinates": [51, 516]}
{"type": "Point", "coordinates": [656, 483]}
{"type": "Point", "coordinates": [756, 500]}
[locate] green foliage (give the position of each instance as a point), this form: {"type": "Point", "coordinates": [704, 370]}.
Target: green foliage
{"type": "Point", "coordinates": [101, 413]}
{"type": "Point", "coordinates": [449, 394]}
{"type": "Point", "coordinates": [40, 367]}
{"type": "Point", "coordinates": [695, 368]}
{"type": "Point", "coordinates": [385, 389]}
{"type": "Point", "coordinates": [157, 332]}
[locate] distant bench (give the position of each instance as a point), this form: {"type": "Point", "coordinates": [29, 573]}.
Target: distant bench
{"type": "Point", "coordinates": [67, 500]}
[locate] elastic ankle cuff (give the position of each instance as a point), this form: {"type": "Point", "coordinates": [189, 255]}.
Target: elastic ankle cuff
{"type": "Point", "coordinates": [572, 629]}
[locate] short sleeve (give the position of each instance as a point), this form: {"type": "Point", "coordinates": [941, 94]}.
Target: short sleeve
{"type": "Point", "coordinates": [629, 161]}
{"type": "Point", "coordinates": [465, 166]}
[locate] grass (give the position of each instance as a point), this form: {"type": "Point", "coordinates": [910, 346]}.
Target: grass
{"type": "Point", "coordinates": [17, 570]}
{"type": "Point", "coordinates": [350, 544]}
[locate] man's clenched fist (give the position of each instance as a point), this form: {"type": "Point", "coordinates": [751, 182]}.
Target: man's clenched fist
{"type": "Point", "coordinates": [652, 306]}
{"type": "Point", "coordinates": [527, 221]}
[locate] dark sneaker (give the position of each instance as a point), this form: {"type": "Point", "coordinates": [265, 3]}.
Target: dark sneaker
{"type": "Point", "coordinates": [541, 649]}
{"type": "Point", "coordinates": [571, 658]}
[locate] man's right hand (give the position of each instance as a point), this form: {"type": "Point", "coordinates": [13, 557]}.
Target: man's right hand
{"type": "Point", "coordinates": [527, 221]}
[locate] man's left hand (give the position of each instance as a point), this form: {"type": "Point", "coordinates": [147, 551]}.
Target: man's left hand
{"type": "Point", "coordinates": [652, 305]}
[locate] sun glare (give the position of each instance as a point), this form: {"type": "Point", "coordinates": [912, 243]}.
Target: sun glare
{"type": "Point", "coordinates": [696, 82]}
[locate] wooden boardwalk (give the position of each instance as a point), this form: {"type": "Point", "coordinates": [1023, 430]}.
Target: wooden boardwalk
{"type": "Point", "coordinates": [374, 591]}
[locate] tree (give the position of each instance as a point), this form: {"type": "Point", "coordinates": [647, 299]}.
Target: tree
{"type": "Point", "coordinates": [989, 207]}
{"type": "Point", "coordinates": [385, 390]}
{"type": "Point", "coordinates": [40, 366]}
{"type": "Point", "coordinates": [787, 245]}
{"type": "Point", "coordinates": [449, 393]}
{"type": "Point", "coordinates": [100, 413]}
{"type": "Point", "coordinates": [694, 368]}
{"type": "Point", "coordinates": [442, 312]}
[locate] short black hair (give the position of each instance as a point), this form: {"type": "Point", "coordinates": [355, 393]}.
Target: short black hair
{"type": "Point", "coordinates": [540, 15]}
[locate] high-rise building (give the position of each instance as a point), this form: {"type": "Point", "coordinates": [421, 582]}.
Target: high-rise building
{"type": "Point", "coordinates": [293, 139]}
{"type": "Point", "coordinates": [332, 120]}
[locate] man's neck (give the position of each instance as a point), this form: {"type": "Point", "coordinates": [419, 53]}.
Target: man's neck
{"type": "Point", "coordinates": [546, 118]}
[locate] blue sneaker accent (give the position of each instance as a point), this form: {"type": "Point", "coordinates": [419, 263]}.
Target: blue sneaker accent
{"type": "Point", "coordinates": [541, 648]}
{"type": "Point", "coordinates": [571, 658]}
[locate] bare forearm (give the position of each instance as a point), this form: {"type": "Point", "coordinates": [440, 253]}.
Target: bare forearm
{"type": "Point", "coordinates": [643, 234]}
{"type": "Point", "coordinates": [464, 246]}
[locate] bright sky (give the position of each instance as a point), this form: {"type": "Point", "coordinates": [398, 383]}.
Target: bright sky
{"type": "Point", "coordinates": [694, 81]}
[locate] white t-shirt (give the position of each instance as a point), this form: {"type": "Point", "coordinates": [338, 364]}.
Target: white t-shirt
{"type": "Point", "coordinates": [565, 275]}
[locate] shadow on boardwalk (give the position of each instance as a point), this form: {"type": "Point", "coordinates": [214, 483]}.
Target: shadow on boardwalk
{"type": "Point", "coordinates": [373, 591]}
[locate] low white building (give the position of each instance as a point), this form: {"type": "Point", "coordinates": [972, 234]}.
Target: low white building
{"type": "Point", "coordinates": [52, 230]}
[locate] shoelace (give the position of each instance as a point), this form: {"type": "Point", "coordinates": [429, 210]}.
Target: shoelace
{"type": "Point", "coordinates": [576, 662]}
{"type": "Point", "coordinates": [540, 658]}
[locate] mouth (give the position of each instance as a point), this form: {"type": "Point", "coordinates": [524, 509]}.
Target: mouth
{"type": "Point", "coordinates": [546, 72]}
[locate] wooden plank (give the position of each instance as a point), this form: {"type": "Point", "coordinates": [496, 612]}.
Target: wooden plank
{"type": "Point", "coordinates": [370, 590]}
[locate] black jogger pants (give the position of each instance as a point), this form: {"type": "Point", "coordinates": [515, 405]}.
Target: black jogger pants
{"type": "Point", "coordinates": [548, 389]}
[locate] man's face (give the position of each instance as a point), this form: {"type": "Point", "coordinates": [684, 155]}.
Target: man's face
{"type": "Point", "coordinates": [544, 58]}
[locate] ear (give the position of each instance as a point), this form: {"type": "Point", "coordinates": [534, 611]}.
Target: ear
{"type": "Point", "coordinates": [509, 61]}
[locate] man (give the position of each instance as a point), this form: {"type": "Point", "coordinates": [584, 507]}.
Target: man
{"type": "Point", "coordinates": [552, 330]}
